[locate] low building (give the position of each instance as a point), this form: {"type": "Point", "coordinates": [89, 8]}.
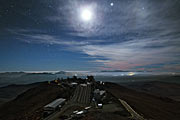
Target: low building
{"type": "Point", "coordinates": [83, 85]}
{"type": "Point", "coordinates": [98, 94]}
{"type": "Point", "coordinates": [100, 105]}
{"type": "Point", "coordinates": [87, 108]}
{"type": "Point", "coordinates": [53, 106]}
{"type": "Point", "coordinates": [80, 112]}
{"type": "Point", "coordinates": [74, 84]}
{"type": "Point", "coordinates": [102, 92]}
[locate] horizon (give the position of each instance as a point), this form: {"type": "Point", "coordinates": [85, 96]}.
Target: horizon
{"type": "Point", "coordinates": [105, 73]}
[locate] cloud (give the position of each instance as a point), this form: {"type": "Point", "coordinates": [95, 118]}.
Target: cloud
{"type": "Point", "coordinates": [38, 36]}
{"type": "Point", "coordinates": [130, 35]}
{"type": "Point", "coordinates": [134, 53]}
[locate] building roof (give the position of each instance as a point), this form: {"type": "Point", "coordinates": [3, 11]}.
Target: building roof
{"type": "Point", "coordinates": [96, 91]}
{"type": "Point", "coordinates": [74, 83]}
{"type": "Point", "coordinates": [102, 92]}
{"type": "Point", "coordinates": [100, 104]}
{"type": "Point", "coordinates": [80, 112]}
{"type": "Point", "coordinates": [55, 103]}
{"type": "Point", "coordinates": [83, 85]}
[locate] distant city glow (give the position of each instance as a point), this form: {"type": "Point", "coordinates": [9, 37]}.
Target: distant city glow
{"type": "Point", "coordinates": [131, 73]}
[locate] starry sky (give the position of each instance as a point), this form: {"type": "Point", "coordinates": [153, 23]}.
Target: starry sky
{"type": "Point", "coordinates": [113, 34]}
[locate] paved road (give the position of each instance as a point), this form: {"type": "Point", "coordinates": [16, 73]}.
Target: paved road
{"type": "Point", "coordinates": [133, 113]}
{"type": "Point", "coordinates": [82, 95]}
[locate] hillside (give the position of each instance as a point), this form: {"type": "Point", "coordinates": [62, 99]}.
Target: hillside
{"type": "Point", "coordinates": [150, 106]}
{"type": "Point", "coordinates": [11, 91]}
{"type": "Point", "coordinates": [164, 89]}
{"type": "Point", "coordinates": [29, 105]}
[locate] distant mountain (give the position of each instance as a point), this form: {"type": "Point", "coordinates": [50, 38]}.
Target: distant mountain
{"type": "Point", "coordinates": [114, 71]}
{"type": "Point", "coordinates": [23, 73]}
{"type": "Point", "coordinates": [12, 73]}
{"type": "Point", "coordinates": [122, 71]}
{"type": "Point", "coordinates": [61, 72]}
{"type": "Point", "coordinates": [43, 73]}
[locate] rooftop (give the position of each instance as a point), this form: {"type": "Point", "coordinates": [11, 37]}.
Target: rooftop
{"type": "Point", "coordinates": [55, 103]}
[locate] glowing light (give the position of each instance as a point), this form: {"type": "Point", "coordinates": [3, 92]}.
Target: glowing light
{"type": "Point", "coordinates": [112, 4]}
{"type": "Point", "coordinates": [131, 73]}
{"type": "Point", "coordinates": [86, 15]}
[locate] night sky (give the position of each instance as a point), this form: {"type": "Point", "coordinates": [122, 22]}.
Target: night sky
{"type": "Point", "coordinates": [90, 35]}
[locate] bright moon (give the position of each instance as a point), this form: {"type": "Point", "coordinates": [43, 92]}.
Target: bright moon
{"type": "Point", "coordinates": [112, 4]}
{"type": "Point", "coordinates": [86, 15]}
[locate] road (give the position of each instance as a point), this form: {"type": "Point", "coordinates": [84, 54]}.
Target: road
{"type": "Point", "coordinates": [82, 95]}
{"type": "Point", "coordinates": [133, 113]}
